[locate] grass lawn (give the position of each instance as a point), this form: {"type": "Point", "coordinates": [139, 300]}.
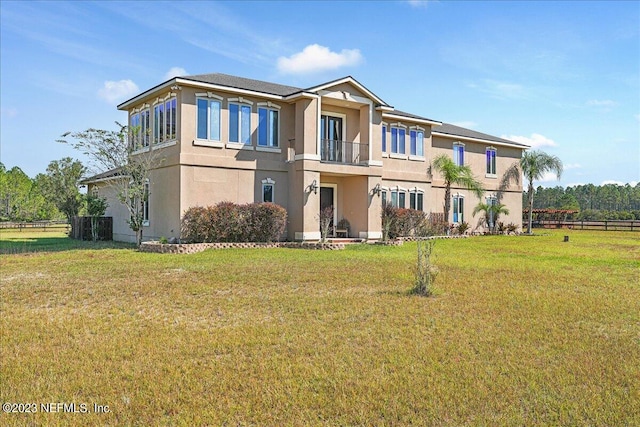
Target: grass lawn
{"type": "Point", "coordinates": [522, 331]}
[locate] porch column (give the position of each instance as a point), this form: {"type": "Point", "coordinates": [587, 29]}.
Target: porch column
{"type": "Point", "coordinates": [374, 223]}
{"type": "Point", "coordinates": [307, 202]}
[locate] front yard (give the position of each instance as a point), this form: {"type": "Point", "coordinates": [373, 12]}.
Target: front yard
{"type": "Point", "coordinates": [523, 331]}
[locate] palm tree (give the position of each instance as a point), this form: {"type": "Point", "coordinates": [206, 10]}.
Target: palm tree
{"type": "Point", "coordinates": [492, 212]}
{"type": "Point", "coordinates": [455, 174]}
{"type": "Point", "coordinates": [534, 165]}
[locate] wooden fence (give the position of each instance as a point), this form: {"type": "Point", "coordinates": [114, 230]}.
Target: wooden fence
{"type": "Point", "coordinates": [81, 228]}
{"type": "Point", "coordinates": [36, 225]}
{"type": "Point", "coordinates": [612, 225]}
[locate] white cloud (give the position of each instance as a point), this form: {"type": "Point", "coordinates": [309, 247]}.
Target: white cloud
{"type": "Point", "coordinates": [548, 177]}
{"type": "Point", "coordinates": [113, 92]}
{"type": "Point", "coordinates": [468, 124]}
{"type": "Point", "coordinates": [315, 58]}
{"type": "Point", "coordinates": [175, 72]}
{"type": "Point", "coordinates": [534, 141]}
{"type": "Point", "coordinates": [605, 103]}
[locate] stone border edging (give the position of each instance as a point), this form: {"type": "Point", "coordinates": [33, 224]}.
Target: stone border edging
{"type": "Point", "coordinates": [192, 248]}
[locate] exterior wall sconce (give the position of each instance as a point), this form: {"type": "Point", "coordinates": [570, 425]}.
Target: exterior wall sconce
{"type": "Point", "coordinates": [377, 190]}
{"type": "Point", "coordinates": [313, 187]}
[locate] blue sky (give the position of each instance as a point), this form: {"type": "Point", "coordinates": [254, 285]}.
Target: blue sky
{"type": "Point", "coordinates": [561, 76]}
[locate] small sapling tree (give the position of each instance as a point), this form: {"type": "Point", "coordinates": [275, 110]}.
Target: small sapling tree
{"type": "Point", "coordinates": [125, 166]}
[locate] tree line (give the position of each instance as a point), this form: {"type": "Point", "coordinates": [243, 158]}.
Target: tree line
{"type": "Point", "coordinates": [53, 195]}
{"type": "Point", "coordinates": [593, 202]}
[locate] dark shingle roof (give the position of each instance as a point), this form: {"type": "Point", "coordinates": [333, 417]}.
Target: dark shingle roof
{"type": "Point", "coordinates": [454, 130]}
{"type": "Point", "coordinates": [244, 83]}
{"type": "Point", "coordinates": [410, 116]}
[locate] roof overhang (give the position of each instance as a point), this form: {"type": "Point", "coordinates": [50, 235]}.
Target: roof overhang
{"type": "Point", "coordinates": [349, 80]}
{"type": "Point", "coordinates": [483, 141]}
{"type": "Point", "coordinates": [186, 82]}
{"type": "Point", "coordinates": [390, 115]}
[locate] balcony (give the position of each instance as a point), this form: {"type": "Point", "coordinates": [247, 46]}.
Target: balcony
{"type": "Point", "coordinates": [348, 153]}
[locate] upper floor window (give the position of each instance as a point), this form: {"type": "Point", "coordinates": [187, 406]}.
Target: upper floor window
{"type": "Point", "coordinates": [458, 154]}
{"type": "Point", "coordinates": [164, 121]}
{"type": "Point", "coordinates": [208, 119]}
{"type": "Point", "coordinates": [268, 125]}
{"type": "Point", "coordinates": [398, 137]}
{"type": "Point", "coordinates": [417, 143]}
{"type": "Point", "coordinates": [240, 123]}
{"type": "Point", "coordinates": [416, 200]}
{"type": "Point", "coordinates": [491, 161]}
{"type": "Point", "coordinates": [384, 137]}
{"type": "Point", "coordinates": [139, 129]}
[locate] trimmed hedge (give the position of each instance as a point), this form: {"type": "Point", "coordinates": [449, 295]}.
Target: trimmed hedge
{"type": "Point", "coordinates": [229, 222]}
{"type": "Point", "coordinates": [400, 222]}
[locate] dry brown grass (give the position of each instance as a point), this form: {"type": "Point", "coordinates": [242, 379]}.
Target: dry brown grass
{"type": "Point", "coordinates": [522, 331]}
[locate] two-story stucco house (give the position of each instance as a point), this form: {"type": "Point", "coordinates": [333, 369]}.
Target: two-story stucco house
{"type": "Point", "coordinates": [227, 138]}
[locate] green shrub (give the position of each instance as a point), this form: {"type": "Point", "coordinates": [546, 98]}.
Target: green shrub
{"type": "Point", "coordinates": [229, 222]}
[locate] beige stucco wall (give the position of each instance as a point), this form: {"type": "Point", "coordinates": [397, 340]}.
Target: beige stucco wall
{"type": "Point", "coordinates": [200, 172]}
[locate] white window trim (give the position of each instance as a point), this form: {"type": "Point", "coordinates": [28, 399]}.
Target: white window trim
{"type": "Point", "coordinates": [393, 155]}
{"type": "Point", "coordinates": [147, 190]}
{"type": "Point", "coordinates": [240, 101]}
{"type": "Point", "coordinates": [416, 191]}
{"type": "Point", "coordinates": [459, 196]}
{"type": "Point", "coordinates": [267, 106]}
{"type": "Point", "coordinates": [458, 144]}
{"type": "Point", "coordinates": [208, 142]}
{"type": "Point", "coordinates": [417, 157]}
{"type": "Point", "coordinates": [239, 146]}
{"type": "Point", "coordinates": [385, 124]}
{"type": "Point", "coordinates": [491, 175]}
{"type": "Point", "coordinates": [268, 149]}
{"type": "Point", "coordinates": [209, 95]}
{"type": "Point", "coordinates": [272, 183]}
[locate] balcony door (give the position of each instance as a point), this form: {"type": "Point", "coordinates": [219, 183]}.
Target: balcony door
{"type": "Point", "coordinates": [331, 128]}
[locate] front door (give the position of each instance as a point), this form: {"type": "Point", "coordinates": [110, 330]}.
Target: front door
{"type": "Point", "coordinates": [326, 201]}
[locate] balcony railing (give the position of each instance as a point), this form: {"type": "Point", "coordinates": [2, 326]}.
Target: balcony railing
{"type": "Point", "coordinates": [351, 153]}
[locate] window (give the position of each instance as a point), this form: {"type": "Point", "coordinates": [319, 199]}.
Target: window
{"type": "Point", "coordinates": [240, 123]}
{"type": "Point", "coordinates": [458, 209]}
{"type": "Point", "coordinates": [417, 143]}
{"type": "Point", "coordinates": [491, 161]}
{"type": "Point", "coordinates": [268, 186]}
{"type": "Point", "coordinates": [158, 123]}
{"type": "Point", "coordinates": [170, 107]}
{"type": "Point", "coordinates": [384, 197]}
{"type": "Point", "coordinates": [95, 192]}
{"type": "Point", "coordinates": [491, 201]}
{"type": "Point", "coordinates": [416, 200]}
{"type": "Point", "coordinates": [268, 125]}
{"type": "Point", "coordinates": [458, 154]}
{"type": "Point", "coordinates": [384, 138]}
{"type": "Point", "coordinates": [398, 199]}
{"type": "Point", "coordinates": [267, 193]}
{"type": "Point", "coordinates": [398, 140]}
{"type": "Point", "coordinates": [145, 205]}
{"type": "Point", "coordinates": [144, 127]}
{"type": "Point", "coordinates": [164, 121]}
{"type": "Point", "coordinates": [134, 134]}
{"type": "Point", "coordinates": [208, 119]}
